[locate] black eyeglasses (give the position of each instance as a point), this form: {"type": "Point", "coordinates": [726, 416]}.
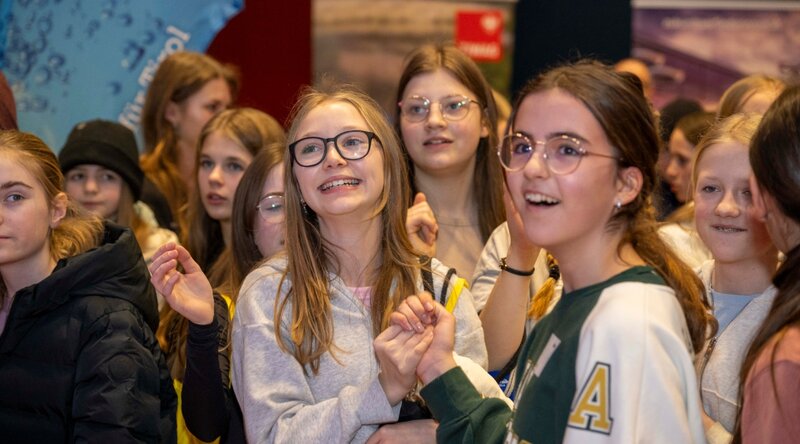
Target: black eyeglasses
{"type": "Point", "coordinates": [351, 145]}
{"type": "Point", "coordinates": [562, 153]}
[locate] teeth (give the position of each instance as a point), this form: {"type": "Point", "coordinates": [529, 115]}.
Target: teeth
{"type": "Point", "coordinates": [433, 141]}
{"type": "Point", "coordinates": [729, 229]}
{"type": "Point", "coordinates": [339, 183]}
{"type": "Point", "coordinates": [537, 198]}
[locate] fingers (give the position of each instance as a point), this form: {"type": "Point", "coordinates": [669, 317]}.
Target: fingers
{"type": "Point", "coordinates": [162, 272]}
{"type": "Point", "coordinates": [419, 198]}
{"type": "Point", "coordinates": [186, 260]}
{"type": "Point", "coordinates": [162, 256]}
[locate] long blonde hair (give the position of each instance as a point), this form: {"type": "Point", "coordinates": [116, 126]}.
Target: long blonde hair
{"type": "Point", "coordinates": [79, 230]}
{"type": "Point", "coordinates": [310, 258]}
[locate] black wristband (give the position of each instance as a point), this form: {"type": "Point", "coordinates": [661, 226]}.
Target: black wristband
{"type": "Point", "coordinates": [504, 266]}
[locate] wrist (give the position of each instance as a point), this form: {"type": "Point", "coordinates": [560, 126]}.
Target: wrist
{"type": "Point", "coordinates": [524, 270]}
{"type": "Point", "coordinates": [436, 369]}
{"type": "Point", "coordinates": [394, 393]}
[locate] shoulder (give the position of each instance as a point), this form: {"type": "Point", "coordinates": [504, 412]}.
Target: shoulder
{"type": "Point", "coordinates": [783, 347]}
{"type": "Point", "coordinates": [260, 290]}
{"type": "Point", "coordinates": [633, 310]}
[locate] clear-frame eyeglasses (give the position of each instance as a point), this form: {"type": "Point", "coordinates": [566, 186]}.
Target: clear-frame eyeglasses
{"type": "Point", "coordinates": [453, 108]}
{"type": "Point", "coordinates": [562, 153]}
{"type": "Point", "coordinates": [271, 208]}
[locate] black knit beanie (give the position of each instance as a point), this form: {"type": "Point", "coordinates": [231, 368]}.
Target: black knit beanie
{"type": "Point", "coordinates": [108, 144]}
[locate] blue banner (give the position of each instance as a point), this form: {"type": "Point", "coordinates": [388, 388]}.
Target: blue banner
{"type": "Point", "coordinates": [73, 60]}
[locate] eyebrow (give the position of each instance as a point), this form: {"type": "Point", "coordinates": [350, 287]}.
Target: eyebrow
{"type": "Point", "coordinates": [13, 184]}
{"type": "Point", "coordinates": [343, 129]}
{"type": "Point", "coordinates": [556, 134]}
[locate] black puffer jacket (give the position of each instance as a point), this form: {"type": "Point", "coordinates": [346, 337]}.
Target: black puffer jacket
{"type": "Point", "coordinates": [78, 357]}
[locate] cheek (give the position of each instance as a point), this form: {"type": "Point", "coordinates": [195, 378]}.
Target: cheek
{"type": "Point", "coordinates": [73, 188]}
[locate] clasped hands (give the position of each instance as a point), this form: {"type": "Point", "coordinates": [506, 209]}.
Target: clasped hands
{"type": "Point", "coordinates": [418, 342]}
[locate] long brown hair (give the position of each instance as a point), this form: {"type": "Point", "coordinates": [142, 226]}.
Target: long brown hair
{"type": "Point", "coordinates": [775, 159]}
{"type": "Point", "coordinates": [128, 217]}
{"type": "Point", "coordinates": [79, 230]}
{"type": "Point", "coordinates": [253, 130]}
{"type": "Point", "coordinates": [620, 108]}
{"type": "Point", "coordinates": [310, 257]}
{"type": "Point", "coordinates": [248, 194]}
{"type": "Point", "coordinates": [177, 78]}
{"type": "Point", "coordinates": [487, 186]}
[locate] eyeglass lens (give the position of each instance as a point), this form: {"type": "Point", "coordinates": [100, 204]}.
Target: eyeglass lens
{"type": "Point", "coordinates": [351, 145]}
{"type": "Point", "coordinates": [417, 108]}
{"type": "Point", "coordinates": [561, 153]}
{"type": "Point", "coordinates": [271, 208]}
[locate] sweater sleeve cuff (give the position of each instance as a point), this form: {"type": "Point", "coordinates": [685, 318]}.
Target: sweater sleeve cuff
{"type": "Point", "coordinates": [375, 408]}
{"type": "Point", "coordinates": [716, 434]}
{"type": "Point", "coordinates": [451, 395]}
{"type": "Point", "coordinates": [203, 336]}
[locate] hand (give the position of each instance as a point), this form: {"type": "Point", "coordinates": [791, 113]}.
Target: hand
{"type": "Point", "coordinates": [189, 293]}
{"type": "Point", "coordinates": [398, 352]}
{"type": "Point", "coordinates": [522, 253]}
{"type": "Point", "coordinates": [438, 358]}
{"type": "Point", "coordinates": [418, 431]}
{"type": "Point", "coordinates": [414, 313]}
{"type": "Point", "coordinates": [422, 227]}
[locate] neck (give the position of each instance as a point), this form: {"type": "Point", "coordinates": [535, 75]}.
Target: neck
{"type": "Point", "coordinates": [356, 246]}
{"type": "Point", "coordinates": [450, 195]}
{"type": "Point", "coordinates": [25, 273]}
{"type": "Point", "coordinates": [594, 262]}
{"type": "Point", "coordinates": [745, 277]}
{"type": "Point", "coordinates": [186, 161]}
{"type": "Point", "coordinates": [225, 226]}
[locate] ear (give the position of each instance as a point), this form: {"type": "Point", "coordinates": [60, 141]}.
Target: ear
{"type": "Point", "coordinates": [58, 209]}
{"type": "Point", "coordinates": [172, 113]}
{"type": "Point", "coordinates": [485, 124]}
{"type": "Point", "coordinates": [629, 184]}
{"type": "Point", "coordinates": [759, 209]}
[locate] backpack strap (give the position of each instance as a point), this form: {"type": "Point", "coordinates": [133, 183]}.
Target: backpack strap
{"type": "Point", "coordinates": [445, 284]}
{"type": "Point", "coordinates": [427, 276]}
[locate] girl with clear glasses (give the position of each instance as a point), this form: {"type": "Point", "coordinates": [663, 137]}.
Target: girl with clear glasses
{"type": "Point", "coordinates": [447, 122]}
{"type": "Point", "coordinates": [612, 361]}
{"type": "Point", "coordinates": [304, 368]}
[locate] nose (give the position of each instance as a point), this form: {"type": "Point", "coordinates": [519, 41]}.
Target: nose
{"type": "Point", "coordinates": [728, 206]}
{"type": "Point", "coordinates": [536, 165]}
{"type": "Point", "coordinates": [332, 156]}
{"type": "Point", "coordinates": [435, 117]}
{"type": "Point", "coordinates": [90, 186]}
{"type": "Point", "coordinates": [215, 176]}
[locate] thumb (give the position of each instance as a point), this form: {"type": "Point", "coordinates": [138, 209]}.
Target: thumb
{"type": "Point", "coordinates": [419, 198]}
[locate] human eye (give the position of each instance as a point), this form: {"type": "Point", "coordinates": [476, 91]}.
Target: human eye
{"type": "Point", "coordinates": [309, 146]}
{"type": "Point", "coordinates": [108, 177]}
{"type": "Point", "coordinates": [567, 148]}
{"type": "Point", "coordinates": [75, 176]}
{"type": "Point", "coordinates": [520, 146]}
{"type": "Point", "coordinates": [353, 139]}
{"type": "Point", "coordinates": [206, 164]}
{"type": "Point", "coordinates": [14, 197]}
{"type": "Point", "coordinates": [708, 189]}
{"type": "Point", "coordinates": [455, 103]}
{"type": "Point", "coordinates": [415, 107]}
{"type": "Point", "coordinates": [235, 167]}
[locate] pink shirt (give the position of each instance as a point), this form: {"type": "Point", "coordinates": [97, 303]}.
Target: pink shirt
{"type": "Point", "coordinates": [771, 412]}
{"type": "Point", "coordinates": [363, 294]}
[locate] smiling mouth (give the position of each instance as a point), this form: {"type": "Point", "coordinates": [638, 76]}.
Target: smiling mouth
{"type": "Point", "coordinates": [727, 229]}
{"type": "Point", "coordinates": [339, 183]}
{"type": "Point", "coordinates": [436, 141]}
{"type": "Point", "coordinates": [539, 199]}
{"type": "Point", "coordinates": [215, 198]}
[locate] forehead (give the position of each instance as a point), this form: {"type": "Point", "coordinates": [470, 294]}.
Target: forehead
{"type": "Point", "coordinates": [551, 112]}
{"type": "Point", "coordinates": [214, 89]}
{"type": "Point", "coordinates": [329, 119]}
{"type": "Point", "coordinates": [219, 143]}
{"type": "Point", "coordinates": [13, 169]}
{"type": "Point", "coordinates": [728, 159]}
{"type": "Point", "coordinates": [435, 85]}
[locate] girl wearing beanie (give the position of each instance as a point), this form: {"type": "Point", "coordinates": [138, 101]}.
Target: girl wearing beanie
{"type": "Point", "coordinates": [100, 162]}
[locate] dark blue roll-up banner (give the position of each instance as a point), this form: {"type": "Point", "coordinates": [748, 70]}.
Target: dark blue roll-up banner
{"type": "Point", "coordinates": [73, 60]}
